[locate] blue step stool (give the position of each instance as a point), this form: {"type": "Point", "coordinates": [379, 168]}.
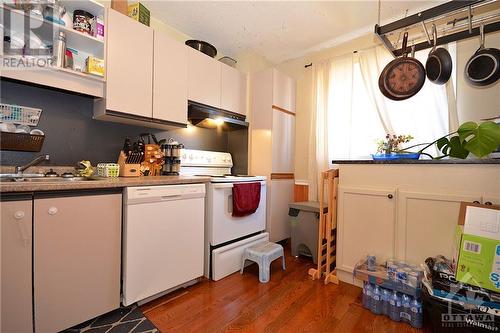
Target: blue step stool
{"type": "Point", "coordinates": [263, 254]}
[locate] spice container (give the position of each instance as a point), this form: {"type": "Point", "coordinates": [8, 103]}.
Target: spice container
{"type": "Point", "coordinates": [176, 167]}
{"type": "Point", "coordinates": [83, 21]}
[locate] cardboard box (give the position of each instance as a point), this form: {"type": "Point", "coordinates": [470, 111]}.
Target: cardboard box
{"type": "Point", "coordinates": [94, 66]}
{"type": "Point", "coordinates": [120, 6]}
{"type": "Point", "coordinates": [478, 246]}
{"type": "Point", "coordinates": [138, 12]}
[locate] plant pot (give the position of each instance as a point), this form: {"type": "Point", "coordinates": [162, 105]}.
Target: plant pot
{"type": "Point", "coordinates": [395, 156]}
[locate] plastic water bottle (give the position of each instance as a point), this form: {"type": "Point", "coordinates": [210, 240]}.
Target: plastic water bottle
{"type": "Point", "coordinates": [367, 296]}
{"type": "Point", "coordinates": [406, 311]}
{"type": "Point", "coordinates": [364, 295]}
{"type": "Point", "coordinates": [376, 307]}
{"type": "Point", "coordinates": [395, 306]}
{"type": "Point", "coordinates": [416, 313]}
{"type": "Point", "coordinates": [386, 295]}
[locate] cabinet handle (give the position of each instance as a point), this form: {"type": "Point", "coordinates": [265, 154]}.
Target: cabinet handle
{"type": "Point", "coordinates": [19, 215]}
{"type": "Point", "coordinates": [488, 203]}
{"type": "Point", "coordinates": [52, 211]}
{"type": "Point", "coordinates": [390, 196]}
{"type": "Point", "coordinates": [475, 201]}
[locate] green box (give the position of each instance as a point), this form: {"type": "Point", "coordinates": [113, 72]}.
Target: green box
{"type": "Point", "coordinates": [478, 261]}
{"type": "Point", "coordinates": [138, 12]}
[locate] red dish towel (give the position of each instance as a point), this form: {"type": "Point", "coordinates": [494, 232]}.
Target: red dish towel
{"type": "Point", "coordinates": [246, 198]}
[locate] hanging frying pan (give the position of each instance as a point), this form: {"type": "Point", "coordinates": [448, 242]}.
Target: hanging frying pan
{"type": "Point", "coordinates": [438, 65]}
{"type": "Point", "coordinates": [483, 68]}
{"type": "Point", "coordinates": [403, 77]}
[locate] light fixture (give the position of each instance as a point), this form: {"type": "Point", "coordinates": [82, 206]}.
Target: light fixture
{"type": "Point", "coordinates": [219, 121]}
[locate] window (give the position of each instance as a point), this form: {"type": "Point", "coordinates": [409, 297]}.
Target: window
{"type": "Point", "coordinates": [358, 115]}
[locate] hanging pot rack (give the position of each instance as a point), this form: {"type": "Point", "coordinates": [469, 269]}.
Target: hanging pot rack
{"type": "Point", "coordinates": [455, 20]}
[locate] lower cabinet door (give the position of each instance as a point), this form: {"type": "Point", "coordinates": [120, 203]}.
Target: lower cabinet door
{"type": "Point", "coordinates": [16, 290]}
{"type": "Point", "coordinates": [278, 222]}
{"type": "Point", "coordinates": [365, 225]}
{"type": "Point", "coordinates": [77, 244]}
{"type": "Point", "coordinates": [427, 224]}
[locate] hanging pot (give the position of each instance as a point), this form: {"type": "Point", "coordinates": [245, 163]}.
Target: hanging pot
{"type": "Point", "coordinates": [438, 65]}
{"type": "Point", "coordinates": [403, 77]}
{"type": "Point", "coordinates": [483, 68]}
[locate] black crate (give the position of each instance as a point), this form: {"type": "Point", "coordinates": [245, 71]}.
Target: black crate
{"type": "Point", "coordinates": [447, 317]}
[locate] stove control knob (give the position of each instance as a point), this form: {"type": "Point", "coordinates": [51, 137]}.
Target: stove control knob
{"type": "Point", "coordinates": [190, 157]}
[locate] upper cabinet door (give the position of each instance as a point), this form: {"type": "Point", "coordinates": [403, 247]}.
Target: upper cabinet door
{"type": "Point", "coordinates": [283, 142]}
{"type": "Point", "coordinates": [170, 79]}
{"type": "Point", "coordinates": [204, 78]}
{"type": "Point", "coordinates": [129, 63]}
{"type": "Point", "coordinates": [234, 90]}
{"type": "Point", "coordinates": [283, 91]}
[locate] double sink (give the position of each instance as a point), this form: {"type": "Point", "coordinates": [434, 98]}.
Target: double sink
{"type": "Point", "coordinates": [40, 178]}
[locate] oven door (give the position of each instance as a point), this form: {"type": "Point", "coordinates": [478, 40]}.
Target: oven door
{"type": "Point", "coordinates": [222, 226]}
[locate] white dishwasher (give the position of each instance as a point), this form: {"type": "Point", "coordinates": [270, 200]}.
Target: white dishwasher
{"type": "Point", "coordinates": [163, 238]}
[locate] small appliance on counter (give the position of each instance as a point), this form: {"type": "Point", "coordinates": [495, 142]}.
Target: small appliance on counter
{"type": "Point", "coordinates": [172, 152]}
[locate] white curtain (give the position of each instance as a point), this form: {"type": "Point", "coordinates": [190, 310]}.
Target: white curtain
{"type": "Point", "coordinates": [349, 113]}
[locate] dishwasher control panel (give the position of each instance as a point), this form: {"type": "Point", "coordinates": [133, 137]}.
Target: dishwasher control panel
{"type": "Point", "coordinates": [163, 192]}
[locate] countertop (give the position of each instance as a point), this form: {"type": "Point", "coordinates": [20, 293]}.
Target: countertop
{"type": "Point", "coordinates": [429, 161]}
{"type": "Point", "coordinates": [120, 182]}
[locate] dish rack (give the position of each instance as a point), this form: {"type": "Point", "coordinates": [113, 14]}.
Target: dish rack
{"type": "Point", "coordinates": [21, 141]}
{"type": "Point", "coordinates": [20, 115]}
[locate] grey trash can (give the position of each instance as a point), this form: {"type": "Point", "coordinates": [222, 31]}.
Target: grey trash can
{"type": "Point", "coordinates": [304, 221]}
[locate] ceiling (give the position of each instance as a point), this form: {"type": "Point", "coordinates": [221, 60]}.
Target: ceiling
{"type": "Point", "coordinates": [278, 30]}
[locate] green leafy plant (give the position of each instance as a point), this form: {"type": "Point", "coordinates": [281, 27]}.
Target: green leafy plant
{"type": "Point", "coordinates": [479, 139]}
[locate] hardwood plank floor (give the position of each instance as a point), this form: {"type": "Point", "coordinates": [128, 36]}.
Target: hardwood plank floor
{"type": "Point", "coordinates": [290, 302]}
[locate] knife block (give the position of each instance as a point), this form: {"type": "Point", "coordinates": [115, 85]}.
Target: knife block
{"type": "Point", "coordinates": [128, 170]}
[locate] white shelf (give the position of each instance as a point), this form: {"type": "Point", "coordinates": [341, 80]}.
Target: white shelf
{"type": "Point", "coordinates": [80, 74]}
{"type": "Point", "coordinates": [91, 6]}
{"type": "Point", "coordinates": [46, 31]}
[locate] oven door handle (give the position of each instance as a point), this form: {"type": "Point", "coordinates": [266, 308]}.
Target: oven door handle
{"type": "Point", "coordinates": [230, 185]}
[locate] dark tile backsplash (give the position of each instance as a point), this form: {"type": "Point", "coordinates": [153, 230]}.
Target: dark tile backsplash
{"type": "Point", "coordinates": [72, 135]}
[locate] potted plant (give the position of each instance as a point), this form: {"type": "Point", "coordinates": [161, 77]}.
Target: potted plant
{"type": "Point", "coordinates": [470, 138]}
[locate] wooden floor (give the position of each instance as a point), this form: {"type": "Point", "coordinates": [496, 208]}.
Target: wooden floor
{"type": "Point", "coordinates": [290, 302]}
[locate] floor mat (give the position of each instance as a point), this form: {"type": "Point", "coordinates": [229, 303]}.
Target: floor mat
{"type": "Point", "coordinates": [123, 320]}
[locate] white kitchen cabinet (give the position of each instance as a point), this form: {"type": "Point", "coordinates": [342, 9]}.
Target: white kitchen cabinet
{"type": "Point", "coordinates": [16, 288]}
{"type": "Point", "coordinates": [490, 199]}
{"type": "Point", "coordinates": [427, 203]}
{"type": "Point", "coordinates": [129, 66]}
{"type": "Point", "coordinates": [283, 141]}
{"type": "Point", "coordinates": [170, 79]}
{"type": "Point", "coordinates": [284, 91]}
{"type": "Point", "coordinates": [77, 247]}
{"type": "Point", "coordinates": [426, 224]}
{"type": "Point", "coordinates": [272, 145]}
{"type": "Point", "coordinates": [204, 79]}
{"type": "Point", "coordinates": [233, 90]}
{"type": "Point", "coordinates": [366, 224]}
{"type": "Point", "coordinates": [281, 191]}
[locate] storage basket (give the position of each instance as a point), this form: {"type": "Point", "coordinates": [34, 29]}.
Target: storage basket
{"type": "Point", "coordinates": [21, 141]}
{"type": "Point", "coordinates": [108, 170]}
{"type": "Point", "coordinates": [20, 115]}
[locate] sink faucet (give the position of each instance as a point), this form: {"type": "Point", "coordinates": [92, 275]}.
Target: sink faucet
{"type": "Point", "coordinates": [39, 159]}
